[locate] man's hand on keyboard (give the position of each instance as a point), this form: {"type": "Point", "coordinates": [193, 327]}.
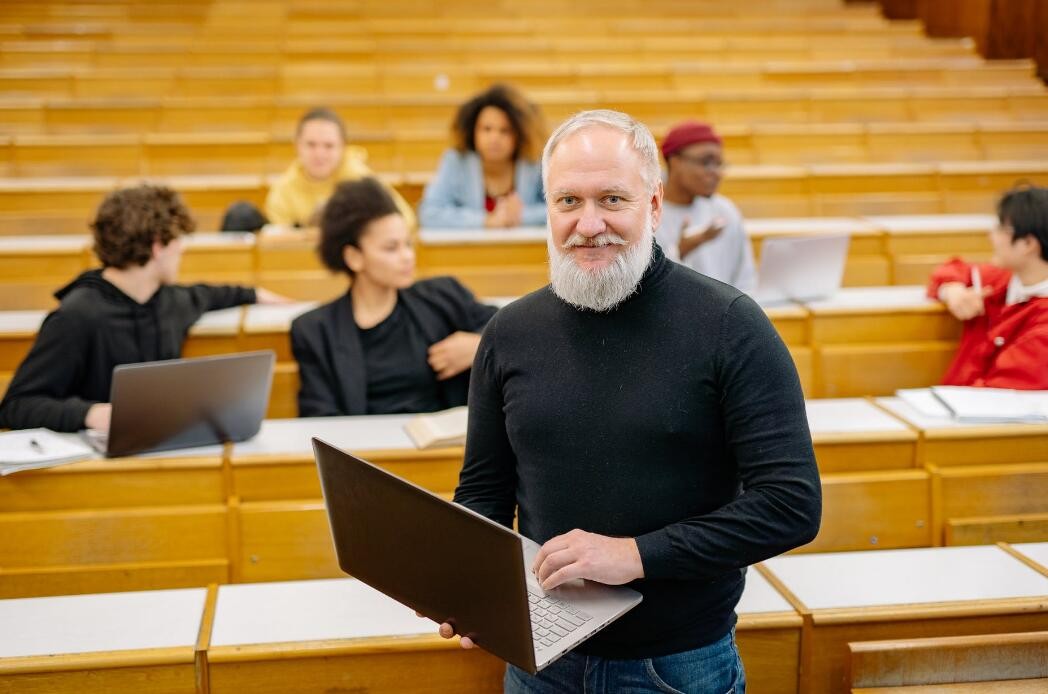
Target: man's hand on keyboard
{"type": "Point", "coordinates": [579, 554]}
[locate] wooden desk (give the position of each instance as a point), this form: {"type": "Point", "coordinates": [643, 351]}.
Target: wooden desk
{"type": "Point", "coordinates": [917, 244]}
{"type": "Point", "coordinates": [495, 262]}
{"type": "Point", "coordinates": [219, 258]}
{"type": "Point", "coordinates": [852, 435]}
{"type": "Point", "coordinates": [32, 268]}
{"type": "Point", "coordinates": [334, 634]}
{"type": "Point", "coordinates": [215, 333]}
{"type": "Point", "coordinates": [893, 594]}
{"type": "Point", "coordinates": [282, 524]}
{"type": "Point", "coordinates": [980, 504]}
{"type": "Point", "coordinates": [768, 634]}
{"type": "Point", "coordinates": [17, 332]}
{"type": "Point", "coordinates": [268, 327]}
{"type": "Point", "coordinates": [156, 521]}
{"type": "Point", "coordinates": [946, 443]}
{"type": "Point", "coordinates": [1035, 552]}
{"type": "Point", "coordinates": [873, 496]}
{"type": "Point", "coordinates": [875, 340]}
{"type": "Point", "coordinates": [119, 642]}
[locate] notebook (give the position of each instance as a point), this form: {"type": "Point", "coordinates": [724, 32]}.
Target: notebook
{"type": "Point", "coordinates": [439, 429]}
{"type": "Point", "coordinates": [32, 449]}
{"type": "Point", "coordinates": [993, 405]}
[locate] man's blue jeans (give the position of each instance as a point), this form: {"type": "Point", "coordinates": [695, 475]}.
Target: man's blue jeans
{"type": "Point", "coordinates": [712, 669]}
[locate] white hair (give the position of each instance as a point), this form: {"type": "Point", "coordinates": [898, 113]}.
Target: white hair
{"type": "Point", "coordinates": [640, 137]}
{"type": "Point", "coordinates": [604, 289]}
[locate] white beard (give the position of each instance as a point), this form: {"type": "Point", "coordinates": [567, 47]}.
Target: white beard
{"type": "Point", "coordinates": [603, 289]}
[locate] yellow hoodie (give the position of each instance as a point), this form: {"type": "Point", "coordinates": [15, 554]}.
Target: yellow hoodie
{"type": "Point", "coordinates": [294, 199]}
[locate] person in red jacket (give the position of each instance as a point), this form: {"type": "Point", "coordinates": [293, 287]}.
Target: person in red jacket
{"type": "Point", "coordinates": [1004, 305]}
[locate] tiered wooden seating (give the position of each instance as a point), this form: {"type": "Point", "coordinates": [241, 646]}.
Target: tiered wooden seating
{"type": "Point", "coordinates": [1001, 662]}
{"type": "Point", "coordinates": [988, 481]}
{"type": "Point", "coordinates": [902, 594]}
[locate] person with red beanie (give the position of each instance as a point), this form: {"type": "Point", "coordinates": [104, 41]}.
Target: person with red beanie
{"type": "Point", "coordinates": [701, 228]}
{"type": "Point", "coordinates": [1004, 305]}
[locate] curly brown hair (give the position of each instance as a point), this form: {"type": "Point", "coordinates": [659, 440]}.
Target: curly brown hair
{"type": "Point", "coordinates": [129, 221]}
{"type": "Point", "coordinates": [524, 116]}
{"type": "Point", "coordinates": [346, 216]}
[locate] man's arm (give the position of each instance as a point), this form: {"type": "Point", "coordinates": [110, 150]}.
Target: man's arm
{"type": "Point", "coordinates": [39, 393]}
{"type": "Point", "coordinates": [488, 481]}
{"type": "Point", "coordinates": [766, 425]}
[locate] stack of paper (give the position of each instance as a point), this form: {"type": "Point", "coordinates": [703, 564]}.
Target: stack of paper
{"type": "Point", "coordinates": [978, 405]}
{"type": "Point", "coordinates": [447, 428]}
{"type": "Point", "coordinates": [30, 449]}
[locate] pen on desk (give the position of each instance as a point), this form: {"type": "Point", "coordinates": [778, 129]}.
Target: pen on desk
{"type": "Point", "coordinates": [35, 445]}
{"type": "Point", "coordinates": [976, 279]}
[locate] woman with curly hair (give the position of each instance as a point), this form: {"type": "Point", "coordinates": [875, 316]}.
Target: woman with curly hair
{"type": "Point", "coordinates": [390, 344]}
{"type": "Point", "coordinates": [128, 311]}
{"type": "Point", "coordinates": [491, 177]}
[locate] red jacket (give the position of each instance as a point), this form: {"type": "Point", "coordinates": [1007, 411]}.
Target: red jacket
{"type": "Point", "coordinates": [1007, 346]}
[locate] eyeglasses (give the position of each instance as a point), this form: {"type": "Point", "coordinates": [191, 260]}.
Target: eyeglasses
{"type": "Point", "coordinates": [709, 163]}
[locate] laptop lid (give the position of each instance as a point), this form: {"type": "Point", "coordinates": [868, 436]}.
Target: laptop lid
{"type": "Point", "coordinates": [801, 268]}
{"type": "Point", "coordinates": [182, 403]}
{"type": "Point", "coordinates": [439, 558]}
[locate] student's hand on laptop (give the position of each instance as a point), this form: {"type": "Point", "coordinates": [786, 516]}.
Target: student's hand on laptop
{"type": "Point", "coordinates": [962, 301]}
{"type": "Point", "coordinates": [447, 631]}
{"type": "Point", "coordinates": [98, 416]}
{"type": "Point", "coordinates": [453, 355]}
{"type": "Point", "coordinates": [264, 296]}
{"type": "Point", "coordinates": [579, 554]}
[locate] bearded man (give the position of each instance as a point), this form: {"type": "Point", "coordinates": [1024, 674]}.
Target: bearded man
{"type": "Point", "coordinates": [642, 421]}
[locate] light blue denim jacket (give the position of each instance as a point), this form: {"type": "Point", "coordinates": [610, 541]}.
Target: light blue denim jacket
{"type": "Point", "coordinates": [455, 196]}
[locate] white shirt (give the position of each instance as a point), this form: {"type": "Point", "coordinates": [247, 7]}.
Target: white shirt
{"type": "Point", "coordinates": [1018, 292]}
{"type": "Point", "coordinates": [727, 258]}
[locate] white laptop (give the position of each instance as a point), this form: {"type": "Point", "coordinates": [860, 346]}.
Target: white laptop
{"type": "Point", "coordinates": [801, 268]}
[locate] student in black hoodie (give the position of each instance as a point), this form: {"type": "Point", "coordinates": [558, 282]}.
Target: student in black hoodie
{"type": "Point", "coordinates": [128, 311]}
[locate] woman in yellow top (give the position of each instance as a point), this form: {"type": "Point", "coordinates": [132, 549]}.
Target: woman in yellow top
{"type": "Point", "coordinates": [324, 160]}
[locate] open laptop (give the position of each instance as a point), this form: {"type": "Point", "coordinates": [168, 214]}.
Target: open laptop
{"type": "Point", "coordinates": [183, 403]}
{"type": "Point", "coordinates": [801, 268]}
{"type": "Point", "coordinates": [453, 565]}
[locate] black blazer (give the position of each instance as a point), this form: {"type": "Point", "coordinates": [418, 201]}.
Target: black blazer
{"type": "Point", "coordinates": [326, 344]}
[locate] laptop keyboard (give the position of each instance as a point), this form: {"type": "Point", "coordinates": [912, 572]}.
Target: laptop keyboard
{"type": "Point", "coordinates": [552, 619]}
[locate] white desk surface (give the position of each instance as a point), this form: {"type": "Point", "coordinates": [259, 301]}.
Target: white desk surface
{"type": "Point", "coordinates": [849, 415]}
{"type": "Point", "coordinates": [928, 423]}
{"type": "Point", "coordinates": [98, 623]}
{"type": "Point", "coordinates": [906, 576]}
{"type": "Point", "coordinates": [219, 239]}
{"type": "Point", "coordinates": [274, 317]}
{"type": "Point", "coordinates": [21, 321]}
{"type": "Point", "coordinates": [56, 242]}
{"type": "Point", "coordinates": [341, 608]}
{"type": "Point", "coordinates": [292, 436]}
{"type": "Point", "coordinates": [225, 321]}
{"type": "Point", "coordinates": [498, 301]}
{"type": "Point", "coordinates": [933, 223]}
{"type": "Point", "coordinates": [901, 297]}
{"type": "Point", "coordinates": [449, 237]}
{"type": "Point", "coordinates": [1038, 551]}
{"type": "Point", "coordinates": [759, 596]}
{"type": "Point", "coordinates": [214, 451]}
{"type": "Point", "coordinates": [790, 226]}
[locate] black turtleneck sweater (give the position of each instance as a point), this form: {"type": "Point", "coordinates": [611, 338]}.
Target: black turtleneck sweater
{"type": "Point", "coordinates": [96, 328]}
{"type": "Point", "coordinates": [675, 418]}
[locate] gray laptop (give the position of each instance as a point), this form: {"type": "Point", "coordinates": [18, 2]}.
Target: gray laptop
{"type": "Point", "coordinates": [801, 268]}
{"type": "Point", "coordinates": [453, 565]}
{"type": "Point", "coordinates": [183, 403]}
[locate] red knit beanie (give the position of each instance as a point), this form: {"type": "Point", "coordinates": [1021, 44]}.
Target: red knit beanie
{"type": "Point", "coordinates": [688, 133]}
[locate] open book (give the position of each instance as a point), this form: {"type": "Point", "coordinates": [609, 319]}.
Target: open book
{"type": "Point", "coordinates": [30, 449]}
{"type": "Point", "coordinates": [979, 405]}
{"type": "Point", "coordinates": [439, 429]}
